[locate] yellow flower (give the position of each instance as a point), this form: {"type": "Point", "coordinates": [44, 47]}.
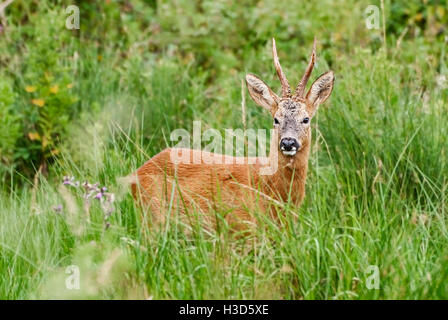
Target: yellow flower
{"type": "Point", "coordinates": [38, 102]}
{"type": "Point", "coordinates": [418, 17]}
{"type": "Point", "coordinates": [54, 89]}
{"type": "Point", "coordinates": [70, 85]}
{"type": "Point", "coordinates": [44, 142]}
{"type": "Point", "coordinates": [30, 88]}
{"type": "Point", "coordinates": [34, 136]}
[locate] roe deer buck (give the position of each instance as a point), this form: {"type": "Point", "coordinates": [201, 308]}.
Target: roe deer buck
{"type": "Point", "coordinates": [241, 186]}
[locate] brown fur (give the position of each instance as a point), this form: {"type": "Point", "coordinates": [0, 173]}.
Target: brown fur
{"type": "Point", "coordinates": [238, 189]}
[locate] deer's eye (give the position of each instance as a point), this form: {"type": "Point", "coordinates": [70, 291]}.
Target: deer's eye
{"type": "Point", "coordinates": [306, 120]}
{"type": "Point", "coordinates": [276, 122]}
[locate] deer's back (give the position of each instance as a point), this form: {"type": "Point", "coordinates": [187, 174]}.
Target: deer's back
{"type": "Point", "coordinates": [200, 187]}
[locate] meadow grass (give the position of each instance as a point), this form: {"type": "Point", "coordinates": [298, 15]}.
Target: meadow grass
{"type": "Point", "coordinates": [376, 191]}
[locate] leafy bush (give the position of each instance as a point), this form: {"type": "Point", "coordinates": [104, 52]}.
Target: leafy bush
{"type": "Point", "coordinates": [418, 18]}
{"type": "Point", "coordinates": [10, 123]}
{"type": "Point", "coordinates": [41, 62]}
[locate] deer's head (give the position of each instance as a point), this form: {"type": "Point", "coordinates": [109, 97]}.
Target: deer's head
{"type": "Point", "coordinates": [292, 113]}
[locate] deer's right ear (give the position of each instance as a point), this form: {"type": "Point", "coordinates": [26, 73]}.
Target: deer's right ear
{"type": "Point", "coordinates": [261, 93]}
{"type": "Point", "coordinates": [320, 91]}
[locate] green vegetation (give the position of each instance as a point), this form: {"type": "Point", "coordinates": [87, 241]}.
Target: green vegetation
{"type": "Point", "coordinates": [95, 103]}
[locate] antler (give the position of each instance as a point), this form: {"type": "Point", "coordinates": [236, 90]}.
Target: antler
{"type": "Point", "coordinates": [286, 89]}
{"type": "Point", "coordinates": [302, 84]}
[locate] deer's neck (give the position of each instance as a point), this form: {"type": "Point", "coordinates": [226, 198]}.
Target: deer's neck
{"type": "Point", "coordinates": [289, 178]}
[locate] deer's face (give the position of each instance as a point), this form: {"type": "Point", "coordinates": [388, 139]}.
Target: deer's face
{"type": "Point", "coordinates": [292, 113]}
{"type": "Point", "coordinates": [292, 121]}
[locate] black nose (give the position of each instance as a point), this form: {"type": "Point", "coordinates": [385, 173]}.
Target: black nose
{"type": "Point", "coordinates": [287, 144]}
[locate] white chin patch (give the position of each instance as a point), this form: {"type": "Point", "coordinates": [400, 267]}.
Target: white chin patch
{"type": "Point", "coordinates": [289, 153]}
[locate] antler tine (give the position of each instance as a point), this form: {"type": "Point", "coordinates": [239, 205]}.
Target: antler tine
{"type": "Point", "coordinates": [302, 84]}
{"type": "Point", "coordinates": [286, 89]}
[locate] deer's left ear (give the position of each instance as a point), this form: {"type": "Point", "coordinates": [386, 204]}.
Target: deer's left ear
{"type": "Point", "coordinates": [320, 91]}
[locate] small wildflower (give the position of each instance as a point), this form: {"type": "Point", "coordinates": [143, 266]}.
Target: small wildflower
{"type": "Point", "coordinates": [58, 208]}
{"type": "Point", "coordinates": [70, 85]}
{"type": "Point", "coordinates": [30, 88]}
{"type": "Point", "coordinates": [94, 191]}
{"type": "Point", "coordinates": [91, 190]}
{"type": "Point", "coordinates": [99, 196]}
{"type": "Point", "coordinates": [54, 89]}
{"type": "Point", "coordinates": [34, 136]}
{"type": "Point", "coordinates": [67, 179]}
{"type": "Point", "coordinates": [70, 181]}
{"type": "Point", "coordinates": [38, 102]}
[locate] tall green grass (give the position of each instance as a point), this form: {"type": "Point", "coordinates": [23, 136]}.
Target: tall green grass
{"type": "Point", "coordinates": [376, 191]}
